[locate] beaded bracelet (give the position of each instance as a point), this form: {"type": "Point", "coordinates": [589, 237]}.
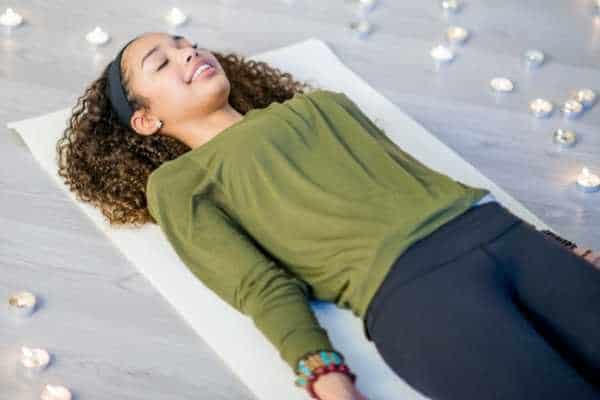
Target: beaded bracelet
{"type": "Point", "coordinates": [315, 364]}
{"type": "Point", "coordinates": [562, 240]}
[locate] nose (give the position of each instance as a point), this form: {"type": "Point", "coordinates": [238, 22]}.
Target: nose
{"type": "Point", "coordinates": [189, 54]}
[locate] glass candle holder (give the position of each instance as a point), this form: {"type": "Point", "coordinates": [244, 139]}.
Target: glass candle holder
{"type": "Point", "coordinates": [34, 360]}
{"type": "Point", "coordinates": [442, 54]}
{"type": "Point", "coordinates": [533, 58]}
{"type": "Point", "coordinates": [587, 97]}
{"type": "Point", "coordinates": [22, 304]}
{"type": "Point", "coordinates": [588, 182]}
{"type": "Point", "coordinates": [541, 108]}
{"type": "Point", "coordinates": [572, 108]}
{"type": "Point", "coordinates": [452, 6]}
{"type": "Point", "coordinates": [176, 17]}
{"type": "Point", "coordinates": [502, 85]}
{"type": "Point", "coordinates": [457, 34]}
{"type": "Point", "coordinates": [360, 27]}
{"type": "Point", "coordinates": [55, 392]}
{"type": "Point", "coordinates": [564, 137]}
{"type": "Point", "coordinates": [97, 37]}
{"type": "Point", "coordinates": [11, 18]}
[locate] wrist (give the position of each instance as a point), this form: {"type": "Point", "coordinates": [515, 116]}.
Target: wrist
{"type": "Point", "coordinates": [329, 369]}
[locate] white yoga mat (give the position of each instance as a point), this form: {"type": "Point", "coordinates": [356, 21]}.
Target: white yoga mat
{"type": "Point", "coordinates": [232, 335]}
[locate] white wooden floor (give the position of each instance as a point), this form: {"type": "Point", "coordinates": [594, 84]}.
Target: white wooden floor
{"type": "Point", "coordinates": [113, 336]}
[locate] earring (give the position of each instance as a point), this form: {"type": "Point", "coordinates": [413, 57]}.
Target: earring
{"type": "Point", "coordinates": [159, 124]}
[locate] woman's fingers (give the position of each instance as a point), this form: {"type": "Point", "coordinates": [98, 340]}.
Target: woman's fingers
{"type": "Point", "coordinates": [594, 258]}
{"type": "Point", "coordinates": [591, 256]}
{"type": "Point", "coordinates": [580, 250]}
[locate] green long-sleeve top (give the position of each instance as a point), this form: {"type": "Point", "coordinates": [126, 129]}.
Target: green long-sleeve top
{"type": "Point", "coordinates": [300, 199]}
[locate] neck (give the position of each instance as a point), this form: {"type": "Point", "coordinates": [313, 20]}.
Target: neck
{"type": "Point", "coordinates": [197, 132]}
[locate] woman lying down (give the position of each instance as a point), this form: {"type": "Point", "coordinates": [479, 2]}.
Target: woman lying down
{"type": "Point", "coordinates": [273, 194]}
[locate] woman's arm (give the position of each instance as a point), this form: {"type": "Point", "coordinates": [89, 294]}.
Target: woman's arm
{"type": "Point", "coordinates": [217, 251]}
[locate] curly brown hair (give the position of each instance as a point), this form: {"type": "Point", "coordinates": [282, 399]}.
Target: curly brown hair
{"type": "Point", "coordinates": [108, 165]}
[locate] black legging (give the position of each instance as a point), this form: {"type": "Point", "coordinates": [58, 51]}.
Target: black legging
{"type": "Point", "coordinates": [487, 307]}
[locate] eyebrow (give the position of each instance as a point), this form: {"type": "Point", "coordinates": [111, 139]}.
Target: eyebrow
{"type": "Point", "coordinates": [152, 50]}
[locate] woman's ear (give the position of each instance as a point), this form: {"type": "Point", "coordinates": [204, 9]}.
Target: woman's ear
{"type": "Point", "coordinates": [144, 123]}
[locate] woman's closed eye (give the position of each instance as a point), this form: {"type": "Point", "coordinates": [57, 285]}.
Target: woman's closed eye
{"type": "Point", "coordinates": [194, 46]}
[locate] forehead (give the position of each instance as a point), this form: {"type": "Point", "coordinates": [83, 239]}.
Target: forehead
{"type": "Point", "coordinates": [135, 51]}
{"type": "Point", "coordinates": [137, 48]}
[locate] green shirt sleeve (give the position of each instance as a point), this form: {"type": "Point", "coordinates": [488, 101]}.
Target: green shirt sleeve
{"type": "Point", "coordinates": [218, 252]}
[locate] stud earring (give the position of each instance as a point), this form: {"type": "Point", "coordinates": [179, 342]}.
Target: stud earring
{"type": "Point", "coordinates": [159, 124]}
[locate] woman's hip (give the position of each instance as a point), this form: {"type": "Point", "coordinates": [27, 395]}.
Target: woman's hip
{"type": "Point", "coordinates": [476, 226]}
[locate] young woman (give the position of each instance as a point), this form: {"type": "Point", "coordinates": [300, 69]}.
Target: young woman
{"type": "Point", "coordinates": [273, 195]}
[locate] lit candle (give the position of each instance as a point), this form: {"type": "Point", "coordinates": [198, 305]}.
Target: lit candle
{"type": "Point", "coordinates": [34, 360]}
{"type": "Point", "coordinates": [97, 36]}
{"type": "Point", "coordinates": [572, 108]}
{"type": "Point", "coordinates": [366, 6]}
{"type": "Point", "coordinates": [533, 58]}
{"type": "Point", "coordinates": [587, 97]}
{"type": "Point", "coordinates": [451, 5]}
{"type": "Point", "coordinates": [564, 137]}
{"type": "Point", "coordinates": [361, 27]}
{"type": "Point", "coordinates": [442, 53]}
{"type": "Point", "coordinates": [55, 392]}
{"type": "Point", "coordinates": [502, 85]}
{"type": "Point", "coordinates": [22, 304]}
{"type": "Point", "coordinates": [587, 181]}
{"type": "Point", "coordinates": [541, 108]}
{"type": "Point", "coordinates": [10, 18]}
{"type": "Point", "coordinates": [176, 17]}
{"type": "Point", "coordinates": [457, 34]}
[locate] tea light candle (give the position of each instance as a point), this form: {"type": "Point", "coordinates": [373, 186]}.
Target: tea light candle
{"type": "Point", "coordinates": [176, 17]}
{"type": "Point", "coordinates": [97, 36]}
{"type": "Point", "coordinates": [533, 58]}
{"type": "Point", "coordinates": [361, 28]}
{"type": "Point", "coordinates": [11, 18]}
{"type": "Point", "coordinates": [34, 360]}
{"type": "Point", "coordinates": [502, 84]}
{"type": "Point", "coordinates": [564, 137]}
{"type": "Point", "coordinates": [366, 6]}
{"type": "Point", "coordinates": [22, 304]}
{"type": "Point", "coordinates": [451, 5]}
{"type": "Point", "coordinates": [572, 108]}
{"type": "Point", "coordinates": [442, 54]}
{"type": "Point", "coordinates": [587, 181]}
{"type": "Point", "coordinates": [587, 97]}
{"type": "Point", "coordinates": [541, 108]}
{"type": "Point", "coordinates": [457, 34]}
{"type": "Point", "coordinates": [55, 392]}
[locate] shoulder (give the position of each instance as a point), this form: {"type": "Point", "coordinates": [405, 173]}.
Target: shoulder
{"type": "Point", "coordinates": [332, 97]}
{"type": "Point", "coordinates": [171, 186]}
{"type": "Point", "coordinates": [155, 186]}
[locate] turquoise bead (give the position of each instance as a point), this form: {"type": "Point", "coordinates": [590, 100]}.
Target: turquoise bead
{"type": "Point", "coordinates": [301, 381]}
{"type": "Point", "coordinates": [325, 358]}
{"type": "Point", "coordinates": [336, 358]}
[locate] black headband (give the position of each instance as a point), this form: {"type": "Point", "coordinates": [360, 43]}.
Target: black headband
{"type": "Point", "coordinates": [115, 91]}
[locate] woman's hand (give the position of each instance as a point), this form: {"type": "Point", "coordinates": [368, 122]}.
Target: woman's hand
{"type": "Point", "coordinates": [592, 256]}
{"type": "Point", "coordinates": [337, 386]}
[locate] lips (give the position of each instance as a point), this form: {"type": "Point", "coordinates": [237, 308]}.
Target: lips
{"type": "Point", "coordinates": [197, 65]}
